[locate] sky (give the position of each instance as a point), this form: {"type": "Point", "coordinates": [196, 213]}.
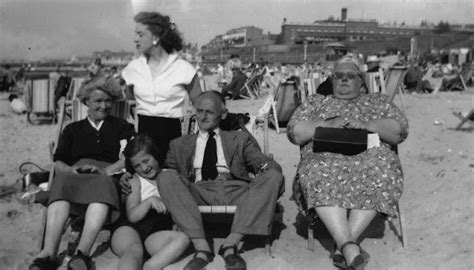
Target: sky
{"type": "Point", "coordinates": [35, 29]}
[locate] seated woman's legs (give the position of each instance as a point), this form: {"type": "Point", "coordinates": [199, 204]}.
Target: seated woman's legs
{"type": "Point", "coordinates": [335, 220]}
{"type": "Point", "coordinates": [127, 245]}
{"type": "Point", "coordinates": [359, 220]}
{"type": "Point", "coordinates": [164, 247]}
{"type": "Point", "coordinates": [58, 213]}
{"type": "Point", "coordinates": [96, 215]}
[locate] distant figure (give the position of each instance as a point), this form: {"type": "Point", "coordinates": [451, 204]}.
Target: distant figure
{"type": "Point", "coordinates": [114, 72]}
{"type": "Point", "coordinates": [95, 68]}
{"type": "Point", "coordinates": [220, 72]}
{"type": "Point", "coordinates": [17, 105]}
{"type": "Point", "coordinates": [232, 90]}
{"type": "Point", "coordinates": [8, 79]}
{"type": "Point", "coordinates": [373, 63]}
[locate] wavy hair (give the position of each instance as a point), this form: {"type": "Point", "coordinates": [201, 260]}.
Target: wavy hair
{"type": "Point", "coordinates": [102, 82]}
{"type": "Point", "coordinates": [161, 26]}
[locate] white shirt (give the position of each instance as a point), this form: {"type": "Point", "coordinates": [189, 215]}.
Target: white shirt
{"type": "Point", "coordinates": [96, 127]}
{"type": "Point", "coordinates": [199, 153]}
{"type": "Point", "coordinates": [164, 94]}
{"type": "Point", "coordinates": [147, 189]}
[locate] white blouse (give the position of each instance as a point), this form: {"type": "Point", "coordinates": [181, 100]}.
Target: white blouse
{"type": "Point", "coordinates": [147, 189]}
{"type": "Point", "coordinates": [164, 94]}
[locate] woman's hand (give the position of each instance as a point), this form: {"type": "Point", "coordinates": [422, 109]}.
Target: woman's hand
{"type": "Point", "coordinates": [336, 122]}
{"type": "Point", "coordinates": [358, 124]}
{"type": "Point", "coordinates": [157, 204]}
{"type": "Point", "coordinates": [85, 168]}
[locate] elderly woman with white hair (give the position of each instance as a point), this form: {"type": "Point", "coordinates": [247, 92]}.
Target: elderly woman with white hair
{"type": "Point", "coordinates": [347, 191]}
{"type": "Point", "coordinates": [86, 157]}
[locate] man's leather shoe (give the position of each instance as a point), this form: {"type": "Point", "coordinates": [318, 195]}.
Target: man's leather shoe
{"type": "Point", "coordinates": [232, 261]}
{"type": "Point", "coordinates": [197, 263]}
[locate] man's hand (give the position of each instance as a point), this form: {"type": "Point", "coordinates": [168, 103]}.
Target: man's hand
{"type": "Point", "coordinates": [125, 186]}
{"type": "Point", "coordinates": [157, 204]}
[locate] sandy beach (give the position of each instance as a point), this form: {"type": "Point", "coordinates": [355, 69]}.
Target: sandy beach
{"type": "Point", "coordinates": [438, 204]}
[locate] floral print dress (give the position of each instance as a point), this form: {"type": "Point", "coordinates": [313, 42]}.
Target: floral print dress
{"type": "Point", "coordinates": [372, 179]}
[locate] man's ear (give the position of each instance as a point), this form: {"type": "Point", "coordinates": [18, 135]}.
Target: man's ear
{"type": "Point", "coordinates": [224, 114]}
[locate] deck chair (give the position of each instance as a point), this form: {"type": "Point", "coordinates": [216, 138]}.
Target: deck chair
{"type": "Point", "coordinates": [189, 124]}
{"type": "Point", "coordinates": [375, 82]}
{"type": "Point", "coordinates": [469, 117]}
{"type": "Point", "coordinates": [122, 109]}
{"type": "Point", "coordinates": [41, 103]}
{"type": "Point", "coordinates": [251, 88]}
{"type": "Point", "coordinates": [202, 82]}
{"type": "Point", "coordinates": [459, 83]}
{"type": "Point", "coordinates": [286, 100]}
{"type": "Point", "coordinates": [393, 82]}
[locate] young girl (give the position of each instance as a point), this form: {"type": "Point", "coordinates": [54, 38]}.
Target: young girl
{"type": "Point", "coordinates": [149, 226]}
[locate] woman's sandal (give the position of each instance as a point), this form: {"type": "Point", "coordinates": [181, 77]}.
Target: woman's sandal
{"type": "Point", "coordinates": [80, 262]}
{"type": "Point", "coordinates": [337, 258]}
{"type": "Point", "coordinates": [197, 263]}
{"type": "Point", "coordinates": [46, 263]}
{"type": "Point", "coordinates": [359, 261]}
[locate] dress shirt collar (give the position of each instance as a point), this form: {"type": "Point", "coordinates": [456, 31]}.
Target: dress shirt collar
{"type": "Point", "coordinates": [171, 58]}
{"type": "Point", "coordinates": [204, 134]}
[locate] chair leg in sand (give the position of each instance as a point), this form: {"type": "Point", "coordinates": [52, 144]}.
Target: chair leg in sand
{"type": "Point", "coordinates": [464, 119]}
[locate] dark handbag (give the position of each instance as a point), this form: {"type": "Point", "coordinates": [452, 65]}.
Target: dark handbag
{"type": "Point", "coordinates": [340, 140]}
{"type": "Point", "coordinates": [234, 121]}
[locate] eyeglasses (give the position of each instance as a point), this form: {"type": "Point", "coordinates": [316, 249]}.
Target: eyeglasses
{"type": "Point", "coordinates": [348, 75]}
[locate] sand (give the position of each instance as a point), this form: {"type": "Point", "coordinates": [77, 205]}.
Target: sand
{"type": "Point", "coordinates": [438, 204]}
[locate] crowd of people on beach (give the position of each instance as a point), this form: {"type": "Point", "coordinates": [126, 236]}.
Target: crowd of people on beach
{"type": "Point", "coordinates": [140, 183]}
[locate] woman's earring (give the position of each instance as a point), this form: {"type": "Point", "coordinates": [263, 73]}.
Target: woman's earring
{"type": "Point", "coordinates": [155, 42]}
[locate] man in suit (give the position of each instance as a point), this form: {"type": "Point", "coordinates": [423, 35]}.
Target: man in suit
{"type": "Point", "coordinates": [188, 182]}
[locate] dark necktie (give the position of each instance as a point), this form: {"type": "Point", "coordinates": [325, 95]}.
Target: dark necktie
{"type": "Point", "coordinates": [209, 169]}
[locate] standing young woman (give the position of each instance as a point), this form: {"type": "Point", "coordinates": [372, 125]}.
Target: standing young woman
{"type": "Point", "coordinates": [160, 78]}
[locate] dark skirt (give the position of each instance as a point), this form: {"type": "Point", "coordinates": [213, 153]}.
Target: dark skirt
{"type": "Point", "coordinates": [151, 223]}
{"type": "Point", "coordinates": [161, 129]}
{"type": "Point", "coordinates": [83, 189]}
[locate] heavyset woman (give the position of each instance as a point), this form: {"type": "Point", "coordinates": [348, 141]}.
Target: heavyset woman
{"type": "Point", "coordinates": [348, 191]}
{"type": "Point", "coordinates": [86, 156]}
{"type": "Point", "coordinates": [160, 78]}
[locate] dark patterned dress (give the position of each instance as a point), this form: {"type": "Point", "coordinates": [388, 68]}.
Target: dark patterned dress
{"type": "Point", "coordinates": [372, 179]}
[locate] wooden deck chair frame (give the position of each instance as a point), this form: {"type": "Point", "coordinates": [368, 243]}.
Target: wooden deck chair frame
{"type": "Point", "coordinates": [464, 119]}
{"type": "Point", "coordinates": [189, 124]}
{"type": "Point", "coordinates": [123, 109]}
{"type": "Point", "coordinates": [461, 84]}
{"type": "Point", "coordinates": [251, 88]}
{"type": "Point", "coordinates": [394, 81]}
{"type": "Point", "coordinates": [274, 112]}
{"type": "Point", "coordinates": [36, 111]}
{"type": "Point", "coordinates": [375, 82]}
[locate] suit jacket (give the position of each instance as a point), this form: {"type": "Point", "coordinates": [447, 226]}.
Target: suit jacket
{"type": "Point", "coordinates": [242, 155]}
